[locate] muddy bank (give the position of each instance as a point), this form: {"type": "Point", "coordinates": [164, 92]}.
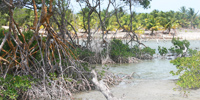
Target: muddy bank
{"type": "Point", "coordinates": [143, 90]}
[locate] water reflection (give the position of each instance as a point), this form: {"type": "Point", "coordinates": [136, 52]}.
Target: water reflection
{"type": "Point", "coordinates": [148, 69]}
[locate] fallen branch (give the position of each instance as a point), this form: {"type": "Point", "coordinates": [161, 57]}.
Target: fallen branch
{"type": "Point", "coordinates": [104, 89]}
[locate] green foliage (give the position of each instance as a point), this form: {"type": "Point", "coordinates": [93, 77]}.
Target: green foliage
{"type": "Point", "coordinates": [163, 51]}
{"type": "Point", "coordinates": [148, 50]}
{"type": "Point", "coordinates": [179, 46]}
{"type": "Point", "coordinates": [145, 3]}
{"type": "Point", "coordinates": [152, 23]}
{"type": "Point", "coordinates": [4, 19]}
{"type": "Point", "coordinates": [83, 53]}
{"type": "Point", "coordinates": [118, 49]}
{"type": "Point", "coordinates": [14, 86]}
{"type": "Point", "coordinates": [21, 16]}
{"type": "Point", "coordinates": [188, 69]}
{"type": "Point", "coordinates": [192, 52]}
{"type": "Point", "coordinates": [53, 76]}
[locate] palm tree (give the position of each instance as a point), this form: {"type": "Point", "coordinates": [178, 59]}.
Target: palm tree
{"type": "Point", "coordinates": [192, 16]}
{"type": "Point", "coordinates": [183, 10]}
{"type": "Point", "coordinates": [83, 14]}
{"type": "Point", "coordinates": [152, 23]}
{"type": "Point", "coordinates": [171, 20]}
{"type": "Point", "coordinates": [182, 17]}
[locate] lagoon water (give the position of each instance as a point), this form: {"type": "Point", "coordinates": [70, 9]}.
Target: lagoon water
{"type": "Point", "coordinates": [148, 69]}
{"type": "Point", "coordinates": [152, 69]}
{"type": "Point", "coordinates": [155, 69]}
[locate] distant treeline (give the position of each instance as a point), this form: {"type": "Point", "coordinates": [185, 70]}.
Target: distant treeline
{"type": "Point", "coordinates": [156, 20]}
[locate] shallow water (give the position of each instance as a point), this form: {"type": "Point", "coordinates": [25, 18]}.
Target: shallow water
{"type": "Point", "coordinates": [148, 69]}
{"type": "Point", "coordinates": [156, 69]}
{"type": "Point", "coordinates": [152, 69]}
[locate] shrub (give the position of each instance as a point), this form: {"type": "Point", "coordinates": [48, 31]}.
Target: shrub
{"type": "Point", "coordinates": [83, 53]}
{"type": "Point", "coordinates": [118, 49]}
{"type": "Point", "coordinates": [192, 52]}
{"type": "Point", "coordinates": [190, 67]}
{"type": "Point", "coordinates": [179, 46]}
{"type": "Point", "coordinates": [163, 51]}
{"type": "Point", "coordinates": [14, 86]}
{"type": "Point", "coordinates": [148, 50]}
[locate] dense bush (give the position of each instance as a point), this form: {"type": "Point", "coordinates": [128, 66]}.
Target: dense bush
{"type": "Point", "coordinates": [118, 49]}
{"type": "Point", "coordinates": [188, 69]}
{"type": "Point", "coordinates": [83, 53]}
{"type": "Point", "coordinates": [192, 52]}
{"type": "Point", "coordinates": [138, 52]}
{"type": "Point", "coordinates": [163, 51]}
{"type": "Point", "coordinates": [148, 50]}
{"type": "Point", "coordinates": [179, 46]}
{"type": "Point", "coordinates": [14, 86]}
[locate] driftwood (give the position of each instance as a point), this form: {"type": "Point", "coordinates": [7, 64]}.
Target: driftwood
{"type": "Point", "coordinates": [103, 88]}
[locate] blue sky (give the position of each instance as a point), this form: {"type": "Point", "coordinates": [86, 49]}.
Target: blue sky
{"type": "Point", "coordinates": [161, 5]}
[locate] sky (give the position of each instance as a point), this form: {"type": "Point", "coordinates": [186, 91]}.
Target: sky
{"type": "Point", "coordinates": [167, 5]}
{"type": "Point", "coordinates": [161, 5]}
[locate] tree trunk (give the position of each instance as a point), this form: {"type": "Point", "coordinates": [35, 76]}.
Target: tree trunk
{"type": "Point", "coordinates": [84, 26]}
{"type": "Point", "coordinates": [152, 32]}
{"type": "Point", "coordinates": [89, 34]}
{"type": "Point", "coordinates": [169, 29]}
{"type": "Point", "coordinates": [131, 15]}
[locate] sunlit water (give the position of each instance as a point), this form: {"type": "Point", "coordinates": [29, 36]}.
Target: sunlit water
{"type": "Point", "coordinates": [156, 69]}
{"type": "Point", "coordinates": [148, 69]}
{"type": "Point", "coordinates": [152, 69]}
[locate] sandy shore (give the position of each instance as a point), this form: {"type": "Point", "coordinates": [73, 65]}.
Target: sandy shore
{"type": "Point", "coordinates": [187, 34]}
{"type": "Point", "coordinates": [143, 90]}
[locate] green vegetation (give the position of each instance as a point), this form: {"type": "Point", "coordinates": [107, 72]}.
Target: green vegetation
{"type": "Point", "coordinates": [156, 20]}
{"type": "Point", "coordinates": [188, 69]}
{"type": "Point", "coordinates": [138, 52]}
{"type": "Point", "coordinates": [148, 50]}
{"type": "Point", "coordinates": [83, 53]}
{"type": "Point", "coordinates": [179, 46]}
{"type": "Point", "coordinates": [54, 61]}
{"type": "Point", "coordinates": [192, 52]}
{"type": "Point", "coordinates": [118, 49]}
{"type": "Point", "coordinates": [163, 51]}
{"type": "Point", "coordinates": [14, 86]}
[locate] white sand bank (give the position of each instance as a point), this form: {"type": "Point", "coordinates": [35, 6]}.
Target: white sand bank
{"type": "Point", "coordinates": [143, 90]}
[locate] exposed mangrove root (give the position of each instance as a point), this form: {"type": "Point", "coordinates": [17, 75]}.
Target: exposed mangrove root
{"type": "Point", "coordinates": [107, 60]}
{"type": "Point", "coordinates": [54, 69]}
{"type": "Point", "coordinates": [59, 89]}
{"type": "Point", "coordinates": [103, 87]}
